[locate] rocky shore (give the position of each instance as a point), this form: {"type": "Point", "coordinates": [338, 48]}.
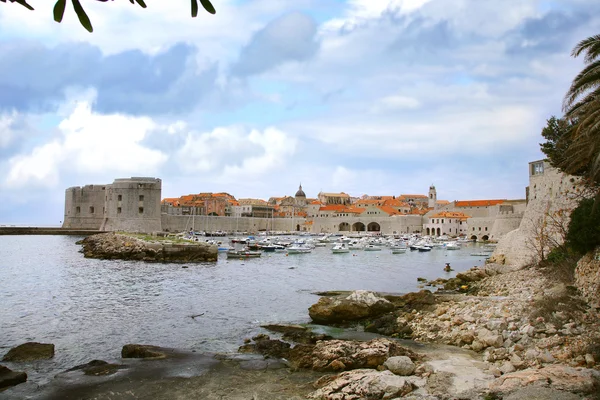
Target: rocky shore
{"type": "Point", "coordinates": [114, 246]}
{"type": "Point", "coordinates": [488, 333]}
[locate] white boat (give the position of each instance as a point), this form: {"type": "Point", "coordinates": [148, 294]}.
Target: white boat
{"type": "Point", "coordinates": [424, 248]}
{"type": "Point", "coordinates": [297, 248]}
{"type": "Point", "coordinates": [356, 245]}
{"type": "Point", "coordinates": [452, 246]}
{"type": "Point", "coordinates": [371, 247]}
{"type": "Point", "coordinates": [399, 250]}
{"type": "Point", "coordinates": [340, 248]}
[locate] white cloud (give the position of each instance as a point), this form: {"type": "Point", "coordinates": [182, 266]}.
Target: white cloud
{"type": "Point", "coordinates": [88, 143]}
{"type": "Point", "coordinates": [6, 133]}
{"type": "Point", "coordinates": [234, 153]}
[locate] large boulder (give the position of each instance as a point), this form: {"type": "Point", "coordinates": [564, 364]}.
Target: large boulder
{"type": "Point", "coordinates": [557, 376]}
{"type": "Point", "coordinates": [365, 384]}
{"type": "Point", "coordinates": [142, 351]}
{"type": "Point", "coordinates": [97, 368]}
{"type": "Point", "coordinates": [10, 378]}
{"type": "Point", "coordinates": [30, 351]}
{"type": "Point", "coordinates": [266, 346]}
{"type": "Point", "coordinates": [358, 305]}
{"type": "Point", "coordinates": [400, 365]}
{"type": "Point", "coordinates": [341, 355]}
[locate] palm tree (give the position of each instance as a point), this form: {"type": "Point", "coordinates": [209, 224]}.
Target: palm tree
{"type": "Point", "coordinates": [582, 108]}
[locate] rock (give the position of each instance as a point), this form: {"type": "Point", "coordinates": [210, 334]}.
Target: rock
{"type": "Point", "coordinates": [545, 357]}
{"type": "Point", "coordinates": [142, 351]}
{"type": "Point", "coordinates": [97, 368]}
{"type": "Point", "coordinates": [119, 246]}
{"type": "Point", "coordinates": [10, 378]}
{"type": "Point", "coordinates": [555, 376]}
{"type": "Point", "coordinates": [400, 365]}
{"type": "Point", "coordinates": [352, 354]}
{"type": "Point", "coordinates": [30, 351]}
{"type": "Point", "coordinates": [358, 305]}
{"type": "Point", "coordinates": [589, 360]}
{"type": "Point", "coordinates": [507, 367]}
{"type": "Point", "coordinates": [541, 393]}
{"type": "Point", "coordinates": [267, 347]}
{"type": "Point", "coordinates": [417, 300]}
{"type": "Point", "coordinates": [366, 384]}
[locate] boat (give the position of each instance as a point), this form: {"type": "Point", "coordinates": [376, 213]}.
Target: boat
{"type": "Point", "coordinates": [243, 254]}
{"type": "Point", "coordinates": [269, 248]}
{"type": "Point", "coordinates": [298, 248]}
{"type": "Point", "coordinates": [452, 246]}
{"type": "Point", "coordinates": [339, 248]}
{"type": "Point", "coordinates": [481, 254]}
{"type": "Point", "coordinates": [371, 247]}
{"type": "Point", "coordinates": [399, 250]}
{"type": "Point", "coordinates": [424, 248]}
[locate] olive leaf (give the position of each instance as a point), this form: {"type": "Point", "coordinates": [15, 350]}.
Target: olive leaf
{"type": "Point", "coordinates": [194, 8]}
{"type": "Point", "coordinates": [83, 18]}
{"type": "Point", "coordinates": [59, 10]}
{"type": "Point", "coordinates": [208, 6]}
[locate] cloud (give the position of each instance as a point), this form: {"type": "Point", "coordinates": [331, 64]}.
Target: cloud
{"type": "Point", "coordinates": [36, 78]}
{"type": "Point", "coordinates": [235, 153]}
{"type": "Point", "coordinates": [87, 144]}
{"type": "Point", "coordinates": [290, 37]}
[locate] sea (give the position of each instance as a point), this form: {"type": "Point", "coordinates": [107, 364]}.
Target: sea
{"type": "Point", "coordinates": [90, 308]}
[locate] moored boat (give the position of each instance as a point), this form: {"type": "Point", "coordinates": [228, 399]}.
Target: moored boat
{"type": "Point", "coordinates": [340, 248]}
{"type": "Point", "coordinates": [243, 254]}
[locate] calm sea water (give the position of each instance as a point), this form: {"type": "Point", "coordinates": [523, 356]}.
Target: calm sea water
{"type": "Point", "coordinates": [90, 308]}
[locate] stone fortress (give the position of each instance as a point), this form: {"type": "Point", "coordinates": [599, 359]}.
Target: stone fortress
{"type": "Point", "coordinates": [135, 205]}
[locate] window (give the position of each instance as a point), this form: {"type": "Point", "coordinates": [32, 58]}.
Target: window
{"type": "Point", "coordinates": [141, 197]}
{"type": "Point", "coordinates": [537, 168]}
{"type": "Point", "coordinates": [120, 197]}
{"type": "Point", "coordinates": [486, 228]}
{"type": "Point", "coordinates": [141, 210]}
{"type": "Point", "coordinates": [118, 210]}
{"type": "Point", "coordinates": [91, 209]}
{"type": "Point", "coordinates": [479, 228]}
{"type": "Point", "coordinates": [77, 210]}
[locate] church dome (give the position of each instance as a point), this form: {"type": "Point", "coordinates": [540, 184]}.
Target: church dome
{"type": "Point", "coordinates": [300, 192]}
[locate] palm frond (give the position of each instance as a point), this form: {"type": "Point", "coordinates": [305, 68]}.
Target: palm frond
{"type": "Point", "coordinates": [591, 46]}
{"type": "Point", "coordinates": [588, 79]}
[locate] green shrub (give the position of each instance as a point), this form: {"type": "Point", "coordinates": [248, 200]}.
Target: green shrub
{"type": "Point", "coordinates": [584, 229]}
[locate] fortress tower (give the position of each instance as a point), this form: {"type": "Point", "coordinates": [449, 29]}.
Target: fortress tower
{"type": "Point", "coordinates": [432, 197]}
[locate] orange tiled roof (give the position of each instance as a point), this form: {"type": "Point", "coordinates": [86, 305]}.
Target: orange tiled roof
{"type": "Point", "coordinates": [389, 210]}
{"type": "Point", "coordinates": [414, 196]}
{"type": "Point", "coordinates": [367, 202]}
{"type": "Point", "coordinates": [478, 203]}
{"type": "Point", "coordinates": [333, 207]}
{"type": "Point", "coordinates": [451, 214]}
{"type": "Point", "coordinates": [351, 210]}
{"type": "Point", "coordinates": [395, 203]}
{"type": "Point", "coordinates": [442, 202]}
{"type": "Point", "coordinates": [316, 202]}
{"type": "Point", "coordinates": [417, 211]}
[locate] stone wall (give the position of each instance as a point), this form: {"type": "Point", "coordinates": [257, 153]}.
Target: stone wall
{"type": "Point", "coordinates": [549, 192]}
{"type": "Point", "coordinates": [183, 223]}
{"type": "Point", "coordinates": [84, 207]}
{"type": "Point", "coordinates": [133, 205]}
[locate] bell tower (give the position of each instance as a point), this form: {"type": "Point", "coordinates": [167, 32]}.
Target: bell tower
{"type": "Point", "coordinates": [432, 197]}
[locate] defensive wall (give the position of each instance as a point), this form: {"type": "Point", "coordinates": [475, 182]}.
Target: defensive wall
{"type": "Point", "coordinates": [208, 223]}
{"type": "Point", "coordinates": [549, 192]}
{"type": "Point", "coordinates": [131, 205]}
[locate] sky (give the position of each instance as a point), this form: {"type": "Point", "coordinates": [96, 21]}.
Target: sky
{"type": "Point", "coordinates": [376, 97]}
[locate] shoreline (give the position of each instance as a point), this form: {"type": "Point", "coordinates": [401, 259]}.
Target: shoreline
{"type": "Point", "coordinates": [488, 338]}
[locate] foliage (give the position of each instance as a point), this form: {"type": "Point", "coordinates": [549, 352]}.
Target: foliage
{"type": "Point", "coordinates": [60, 5]}
{"type": "Point", "coordinates": [582, 108]}
{"type": "Point", "coordinates": [556, 132]}
{"type": "Point", "coordinates": [584, 229]}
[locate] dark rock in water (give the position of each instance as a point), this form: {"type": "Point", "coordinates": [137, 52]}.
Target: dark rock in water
{"type": "Point", "coordinates": [358, 305]}
{"type": "Point", "coordinates": [10, 378]}
{"type": "Point", "coordinates": [266, 346]}
{"type": "Point", "coordinates": [97, 368]}
{"type": "Point", "coordinates": [297, 333]}
{"type": "Point", "coordinates": [388, 325]}
{"type": "Point", "coordinates": [30, 351]}
{"type": "Point", "coordinates": [142, 351]}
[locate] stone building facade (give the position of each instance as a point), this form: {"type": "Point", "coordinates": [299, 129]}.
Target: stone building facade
{"type": "Point", "coordinates": [131, 204]}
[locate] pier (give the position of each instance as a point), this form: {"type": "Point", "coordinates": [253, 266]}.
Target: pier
{"type": "Point", "coordinates": [35, 230]}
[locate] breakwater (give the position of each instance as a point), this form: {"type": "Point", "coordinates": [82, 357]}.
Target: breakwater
{"type": "Point", "coordinates": [34, 230]}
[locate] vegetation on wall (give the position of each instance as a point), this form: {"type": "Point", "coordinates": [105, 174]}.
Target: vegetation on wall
{"type": "Point", "coordinates": [84, 20]}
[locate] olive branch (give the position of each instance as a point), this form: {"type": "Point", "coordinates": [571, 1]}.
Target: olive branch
{"type": "Point", "coordinates": [60, 6]}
